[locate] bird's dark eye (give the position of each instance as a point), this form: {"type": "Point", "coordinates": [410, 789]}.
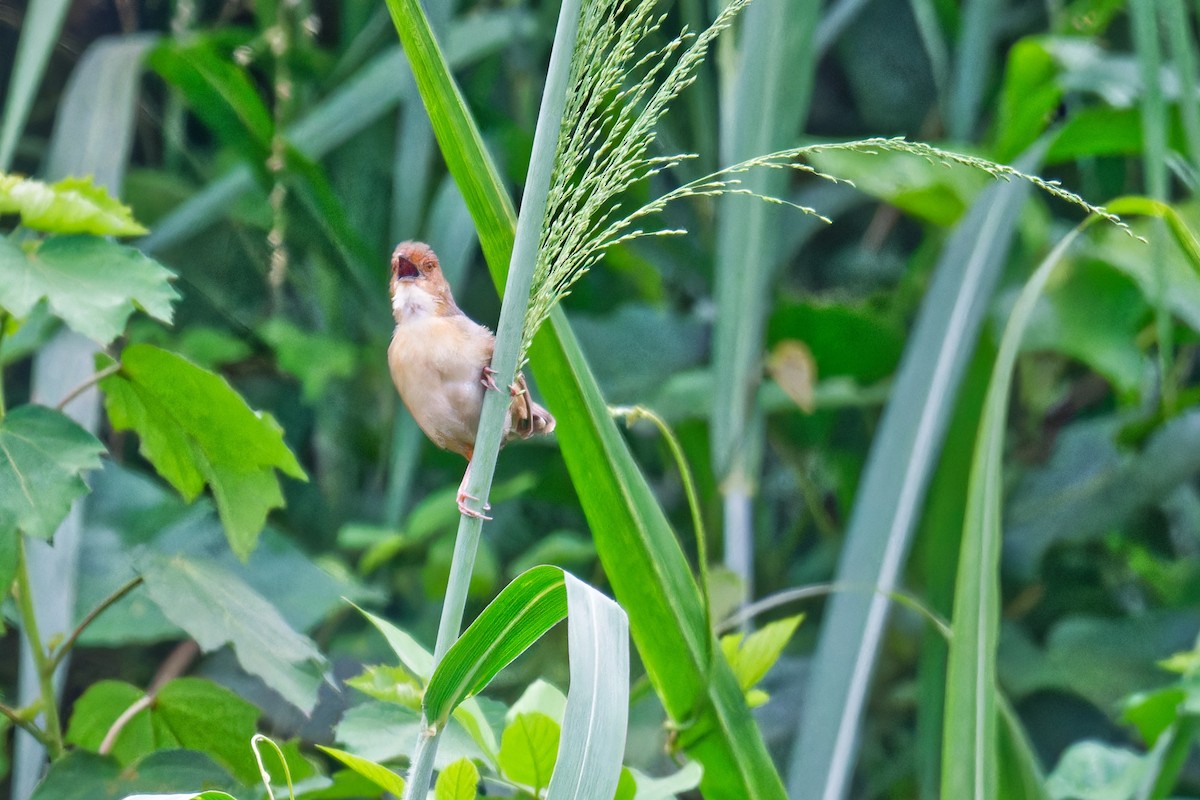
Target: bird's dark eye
{"type": "Point", "coordinates": [403, 268]}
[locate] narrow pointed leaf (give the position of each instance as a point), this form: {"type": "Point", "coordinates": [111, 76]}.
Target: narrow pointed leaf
{"type": "Point", "coordinates": [597, 714]}
{"type": "Point", "coordinates": [40, 29]}
{"type": "Point", "coordinates": [969, 739]}
{"type": "Point", "coordinates": [377, 774]}
{"type": "Point", "coordinates": [528, 607]}
{"type": "Point", "coordinates": [42, 457]}
{"type": "Point", "coordinates": [216, 608]}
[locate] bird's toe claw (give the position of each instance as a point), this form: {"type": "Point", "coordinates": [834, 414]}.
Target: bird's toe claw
{"type": "Point", "coordinates": [487, 381]}
{"type": "Point", "coordinates": [466, 510]}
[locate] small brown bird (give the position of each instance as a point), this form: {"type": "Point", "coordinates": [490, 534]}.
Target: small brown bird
{"type": "Point", "coordinates": [441, 363]}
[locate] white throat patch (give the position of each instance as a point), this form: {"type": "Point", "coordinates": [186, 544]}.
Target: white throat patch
{"type": "Point", "coordinates": [410, 301]}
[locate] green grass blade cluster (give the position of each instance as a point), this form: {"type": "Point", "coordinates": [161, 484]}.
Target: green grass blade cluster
{"type": "Point", "coordinates": [890, 497]}
{"type": "Point", "coordinates": [645, 564]}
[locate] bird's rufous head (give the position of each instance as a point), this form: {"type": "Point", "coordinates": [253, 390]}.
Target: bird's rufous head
{"type": "Point", "coordinates": [417, 283]}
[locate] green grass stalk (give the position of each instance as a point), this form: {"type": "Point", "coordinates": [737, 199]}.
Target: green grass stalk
{"type": "Point", "coordinates": [509, 336]}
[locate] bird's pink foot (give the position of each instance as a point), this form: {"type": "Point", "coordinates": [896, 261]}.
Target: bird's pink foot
{"type": "Point", "coordinates": [467, 511]}
{"type": "Point", "coordinates": [487, 379]}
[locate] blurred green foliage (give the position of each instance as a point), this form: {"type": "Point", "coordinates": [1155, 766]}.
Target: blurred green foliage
{"type": "Point", "coordinates": [276, 153]}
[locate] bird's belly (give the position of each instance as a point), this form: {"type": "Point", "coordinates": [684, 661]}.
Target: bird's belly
{"type": "Point", "coordinates": [441, 388]}
{"type": "Point", "coordinates": [448, 413]}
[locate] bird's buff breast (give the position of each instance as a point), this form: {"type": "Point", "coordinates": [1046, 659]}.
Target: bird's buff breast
{"type": "Point", "coordinates": [437, 365]}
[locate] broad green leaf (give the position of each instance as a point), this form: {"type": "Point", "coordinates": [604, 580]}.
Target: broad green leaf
{"type": "Point", "coordinates": [94, 713]}
{"type": "Point", "coordinates": [1028, 100]}
{"type": "Point", "coordinates": [42, 454]}
{"type": "Point", "coordinates": [524, 610]}
{"type": "Point", "coordinates": [1152, 713]}
{"type": "Point", "coordinates": [637, 546]}
{"type": "Point", "coordinates": [216, 608]}
{"type": "Point", "coordinates": [189, 713]}
{"type": "Point", "coordinates": [384, 732]}
{"type": "Point", "coordinates": [928, 191]}
{"type": "Point", "coordinates": [1095, 314]}
{"type": "Point", "coordinates": [72, 205]}
{"type": "Point", "coordinates": [528, 749]}
{"type": "Point", "coordinates": [186, 796]}
{"type": "Point", "coordinates": [752, 655]}
{"type": "Point", "coordinates": [377, 774]}
{"type": "Point", "coordinates": [201, 715]}
{"type": "Point", "coordinates": [685, 780]}
{"type": "Point", "coordinates": [92, 284]}
{"type": "Point", "coordinates": [542, 697]}
{"type": "Point", "coordinates": [566, 549]}
{"type": "Point", "coordinates": [1094, 771]}
{"type": "Point", "coordinates": [626, 785]}
{"type": "Point", "coordinates": [196, 430]}
{"type": "Point", "coordinates": [81, 775]}
{"type": "Point", "coordinates": [459, 781]}
{"type": "Point", "coordinates": [389, 684]}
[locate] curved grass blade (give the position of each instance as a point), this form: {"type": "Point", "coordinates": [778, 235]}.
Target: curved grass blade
{"type": "Point", "coordinates": [969, 739]}
{"type": "Point", "coordinates": [532, 604]}
{"type": "Point", "coordinates": [890, 496]}
{"type": "Point", "coordinates": [589, 757]}
{"type": "Point", "coordinates": [39, 32]}
{"type": "Point", "coordinates": [641, 556]}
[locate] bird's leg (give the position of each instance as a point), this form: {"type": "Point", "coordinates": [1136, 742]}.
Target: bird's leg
{"type": "Point", "coordinates": [487, 379]}
{"type": "Point", "coordinates": [463, 497]}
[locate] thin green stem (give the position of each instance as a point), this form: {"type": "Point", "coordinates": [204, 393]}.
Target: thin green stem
{"type": "Point", "coordinates": [18, 718]}
{"type": "Point", "coordinates": [632, 414]}
{"type": "Point", "coordinates": [41, 660]}
{"type": "Point", "coordinates": [787, 596]}
{"type": "Point", "coordinates": [87, 384]}
{"type": "Point", "coordinates": [60, 652]}
{"type": "Point", "coordinates": [413, 28]}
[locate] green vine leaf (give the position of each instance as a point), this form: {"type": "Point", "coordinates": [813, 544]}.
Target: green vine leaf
{"type": "Point", "coordinates": [459, 781]}
{"type": "Point", "coordinates": [73, 205]}
{"type": "Point", "coordinates": [42, 454]}
{"type": "Point", "coordinates": [528, 750]}
{"type": "Point", "coordinates": [196, 430]}
{"type": "Point", "coordinates": [92, 284]}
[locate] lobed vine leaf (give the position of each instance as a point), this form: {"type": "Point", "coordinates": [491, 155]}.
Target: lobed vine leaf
{"type": "Point", "coordinates": [196, 430]}
{"type": "Point", "coordinates": [90, 283]}
{"type": "Point", "coordinates": [72, 205]}
{"type": "Point", "coordinates": [42, 455]}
